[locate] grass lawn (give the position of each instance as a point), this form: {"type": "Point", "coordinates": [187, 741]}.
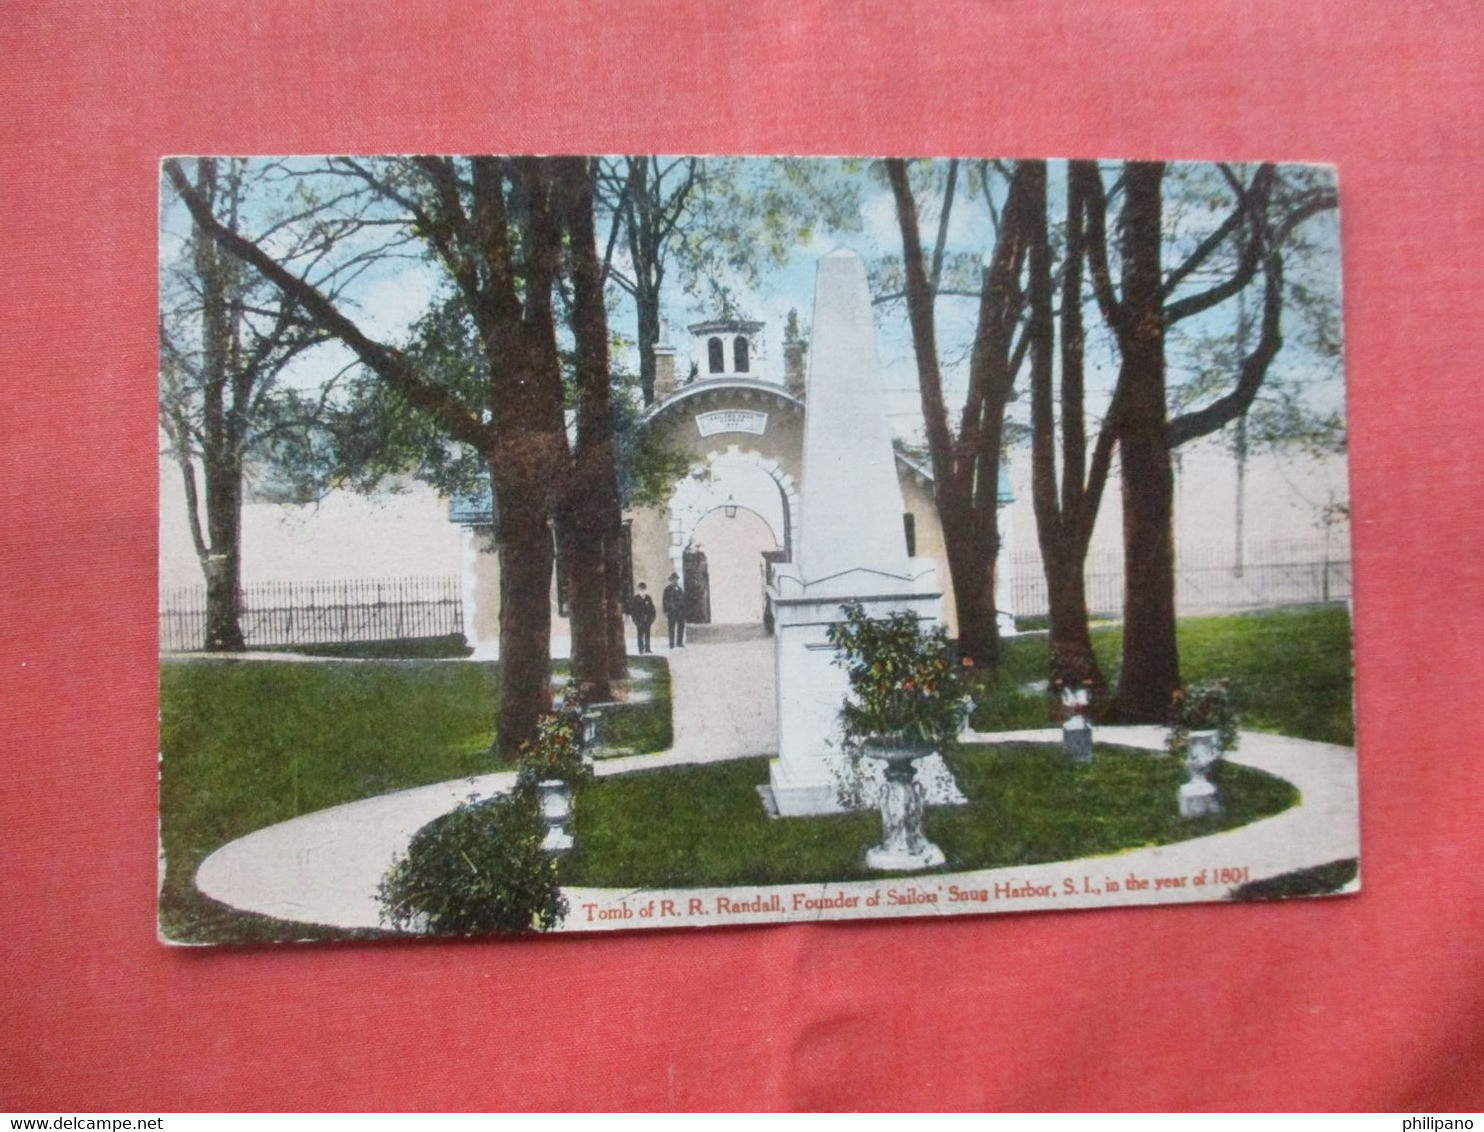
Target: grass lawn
{"type": "Point", "coordinates": [1290, 670]}
{"type": "Point", "coordinates": [643, 726]}
{"type": "Point", "coordinates": [247, 744]}
{"type": "Point", "coordinates": [702, 826]}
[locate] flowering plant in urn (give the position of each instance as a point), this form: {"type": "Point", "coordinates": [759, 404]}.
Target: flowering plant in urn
{"type": "Point", "coordinates": [555, 753]}
{"type": "Point", "coordinates": [907, 701]}
{"type": "Point", "coordinates": [1202, 707]}
{"type": "Point", "coordinates": [1076, 682]}
{"type": "Point", "coordinates": [906, 689]}
{"type": "Point", "coordinates": [550, 765]}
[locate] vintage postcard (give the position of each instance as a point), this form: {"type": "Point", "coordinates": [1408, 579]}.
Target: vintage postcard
{"type": "Point", "coordinates": [591, 543]}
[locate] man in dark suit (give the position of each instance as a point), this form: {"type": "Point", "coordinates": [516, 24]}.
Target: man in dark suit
{"type": "Point", "coordinates": [641, 609]}
{"type": "Point", "coordinates": [674, 604]}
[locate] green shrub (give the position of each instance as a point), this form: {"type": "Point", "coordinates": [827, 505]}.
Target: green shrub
{"type": "Point", "coordinates": [481, 868]}
{"type": "Point", "coordinates": [477, 869]}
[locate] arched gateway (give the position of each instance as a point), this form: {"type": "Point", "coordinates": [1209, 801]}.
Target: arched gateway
{"type": "Point", "coordinates": [738, 512]}
{"type": "Point", "coordinates": [740, 420]}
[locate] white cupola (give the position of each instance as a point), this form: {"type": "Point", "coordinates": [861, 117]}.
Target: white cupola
{"type": "Point", "coordinates": [728, 347]}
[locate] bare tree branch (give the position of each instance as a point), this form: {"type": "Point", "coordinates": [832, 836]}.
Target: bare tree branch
{"type": "Point", "coordinates": [1254, 367]}
{"type": "Point", "coordinates": [387, 361]}
{"type": "Point", "coordinates": [1251, 207]}
{"type": "Point", "coordinates": [924, 333]}
{"type": "Point", "coordinates": [943, 218]}
{"type": "Point", "coordinates": [1090, 182]}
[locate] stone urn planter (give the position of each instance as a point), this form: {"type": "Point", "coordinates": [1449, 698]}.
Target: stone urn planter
{"type": "Point", "coordinates": [907, 701]}
{"type": "Point", "coordinates": [903, 844]}
{"type": "Point", "coordinates": [591, 718]}
{"type": "Point", "coordinates": [1199, 797]}
{"type": "Point", "coordinates": [1203, 727]}
{"type": "Point", "coordinates": [594, 717]}
{"type": "Point", "coordinates": [556, 812]}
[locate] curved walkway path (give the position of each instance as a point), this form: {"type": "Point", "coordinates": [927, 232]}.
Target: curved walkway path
{"type": "Point", "coordinates": [324, 868]}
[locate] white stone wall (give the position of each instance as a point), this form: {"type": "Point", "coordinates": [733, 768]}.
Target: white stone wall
{"type": "Point", "coordinates": [1286, 499]}
{"type": "Point", "coordinates": [394, 534]}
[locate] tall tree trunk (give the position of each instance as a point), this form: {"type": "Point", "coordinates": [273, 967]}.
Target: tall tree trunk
{"type": "Point", "coordinates": [966, 467]}
{"type": "Point", "coordinates": [647, 300]}
{"type": "Point", "coordinates": [223, 562]}
{"type": "Point", "coordinates": [616, 579]}
{"type": "Point", "coordinates": [1151, 665]}
{"type": "Point", "coordinates": [645, 208]}
{"type": "Point", "coordinates": [525, 623]}
{"type": "Point", "coordinates": [993, 364]}
{"type": "Point", "coordinates": [1071, 641]}
{"type": "Point", "coordinates": [971, 562]}
{"type": "Point", "coordinates": [531, 457]}
{"type": "Point", "coordinates": [580, 543]}
{"type": "Point", "coordinates": [984, 483]}
{"type": "Point", "coordinates": [222, 459]}
{"type": "Point", "coordinates": [527, 463]}
{"type": "Point", "coordinates": [592, 509]}
{"type": "Point", "coordinates": [1064, 518]}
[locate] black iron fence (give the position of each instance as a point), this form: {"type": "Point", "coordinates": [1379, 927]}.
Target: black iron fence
{"type": "Point", "coordinates": [322, 612]}
{"type": "Point", "coordinates": [1206, 578]}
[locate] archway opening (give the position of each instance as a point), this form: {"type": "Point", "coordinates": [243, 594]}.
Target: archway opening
{"type": "Point", "coordinates": [734, 481]}
{"type": "Point", "coordinates": [734, 540]}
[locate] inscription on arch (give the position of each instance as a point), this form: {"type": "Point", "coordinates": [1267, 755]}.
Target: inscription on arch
{"type": "Point", "coordinates": [732, 420]}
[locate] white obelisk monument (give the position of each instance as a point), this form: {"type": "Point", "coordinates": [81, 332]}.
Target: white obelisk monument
{"type": "Point", "coordinates": [852, 545]}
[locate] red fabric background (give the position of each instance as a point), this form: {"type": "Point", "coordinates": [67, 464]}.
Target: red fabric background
{"type": "Point", "coordinates": [1372, 1002]}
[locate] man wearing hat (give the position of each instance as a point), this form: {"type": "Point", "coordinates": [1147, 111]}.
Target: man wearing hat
{"type": "Point", "coordinates": [641, 609]}
{"type": "Point", "coordinates": [674, 605]}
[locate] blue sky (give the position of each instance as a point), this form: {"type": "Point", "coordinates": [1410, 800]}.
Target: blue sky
{"type": "Point", "coordinates": [389, 297]}
{"type": "Point", "coordinates": [971, 233]}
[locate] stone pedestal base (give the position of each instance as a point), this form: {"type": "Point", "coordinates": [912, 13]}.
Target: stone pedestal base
{"type": "Point", "coordinates": [800, 788]}
{"type": "Point", "coordinates": [812, 769]}
{"type": "Point", "coordinates": [1199, 799]}
{"type": "Point", "coordinates": [903, 845]}
{"type": "Point", "coordinates": [1076, 740]}
{"type": "Point", "coordinates": [894, 860]}
{"type": "Point", "coordinates": [556, 811]}
{"type": "Point", "coordinates": [836, 784]}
